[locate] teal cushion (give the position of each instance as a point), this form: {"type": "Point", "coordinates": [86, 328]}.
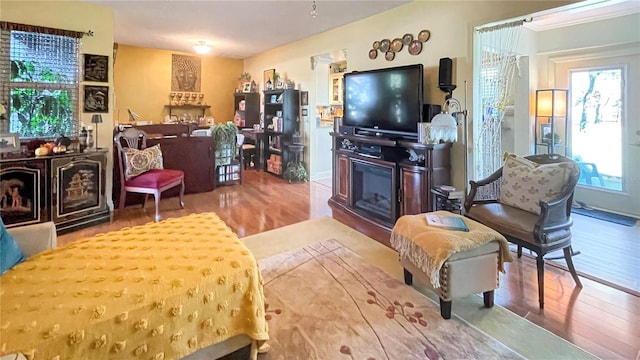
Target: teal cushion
{"type": "Point", "coordinates": [10, 253]}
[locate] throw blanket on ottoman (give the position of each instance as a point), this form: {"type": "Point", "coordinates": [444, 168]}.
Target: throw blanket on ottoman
{"type": "Point", "coordinates": [428, 247]}
{"type": "Point", "coordinates": [158, 291]}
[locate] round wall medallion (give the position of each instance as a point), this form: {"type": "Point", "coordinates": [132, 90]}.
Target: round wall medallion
{"type": "Point", "coordinates": [407, 39]}
{"type": "Point", "coordinates": [376, 45]}
{"type": "Point", "coordinates": [390, 55]}
{"type": "Point", "coordinates": [424, 35]}
{"type": "Point", "coordinates": [373, 53]}
{"type": "Point", "coordinates": [384, 45]}
{"type": "Point", "coordinates": [396, 45]}
{"type": "Point", "coordinates": [415, 47]}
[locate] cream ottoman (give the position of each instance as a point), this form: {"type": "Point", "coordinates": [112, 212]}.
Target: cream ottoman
{"type": "Point", "coordinates": [451, 263]}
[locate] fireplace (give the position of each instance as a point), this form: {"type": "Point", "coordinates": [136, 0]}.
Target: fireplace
{"type": "Point", "coordinates": [373, 190]}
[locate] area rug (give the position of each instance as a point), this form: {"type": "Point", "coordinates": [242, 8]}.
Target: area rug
{"type": "Point", "coordinates": [518, 334]}
{"type": "Point", "coordinates": [606, 216]}
{"type": "Point", "coordinates": [325, 302]}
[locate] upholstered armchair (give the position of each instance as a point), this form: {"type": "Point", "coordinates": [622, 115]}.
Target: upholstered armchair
{"type": "Point", "coordinates": [142, 171]}
{"type": "Point", "coordinates": [528, 201]}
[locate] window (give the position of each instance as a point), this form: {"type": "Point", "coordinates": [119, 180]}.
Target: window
{"type": "Point", "coordinates": [39, 79]}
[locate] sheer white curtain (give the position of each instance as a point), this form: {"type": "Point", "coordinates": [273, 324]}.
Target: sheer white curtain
{"type": "Point", "coordinates": [499, 66]}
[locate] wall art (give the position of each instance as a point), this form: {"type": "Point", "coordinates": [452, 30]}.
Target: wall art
{"type": "Point", "coordinates": [96, 68]}
{"type": "Point", "coordinates": [185, 73]}
{"type": "Point", "coordinates": [96, 99]}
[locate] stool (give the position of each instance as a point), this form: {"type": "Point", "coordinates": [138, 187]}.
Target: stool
{"type": "Point", "coordinates": [465, 272]}
{"type": "Point", "coordinates": [249, 151]}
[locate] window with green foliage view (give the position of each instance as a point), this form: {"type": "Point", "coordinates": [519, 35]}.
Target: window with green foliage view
{"type": "Point", "coordinates": [42, 83]}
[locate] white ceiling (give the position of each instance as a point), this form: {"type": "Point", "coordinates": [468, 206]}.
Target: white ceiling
{"type": "Point", "coordinates": [240, 29]}
{"type": "Point", "coordinates": [235, 29]}
{"type": "Point", "coordinates": [582, 12]}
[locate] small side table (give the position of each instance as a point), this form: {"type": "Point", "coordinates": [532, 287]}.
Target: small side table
{"type": "Point", "coordinates": [443, 202]}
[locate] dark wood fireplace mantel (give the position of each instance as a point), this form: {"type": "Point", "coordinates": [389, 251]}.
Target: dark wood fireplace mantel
{"type": "Point", "coordinates": [413, 169]}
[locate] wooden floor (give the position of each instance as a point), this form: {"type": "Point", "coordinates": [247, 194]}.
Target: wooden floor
{"type": "Point", "coordinates": [598, 318]}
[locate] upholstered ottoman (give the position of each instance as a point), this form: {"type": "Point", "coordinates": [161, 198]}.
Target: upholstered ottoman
{"type": "Point", "coordinates": [452, 263]}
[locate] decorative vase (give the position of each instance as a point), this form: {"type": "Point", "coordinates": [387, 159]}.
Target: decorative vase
{"type": "Point", "coordinates": [90, 139]}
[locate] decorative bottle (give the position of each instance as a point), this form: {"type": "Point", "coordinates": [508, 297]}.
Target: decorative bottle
{"type": "Point", "coordinates": [82, 139]}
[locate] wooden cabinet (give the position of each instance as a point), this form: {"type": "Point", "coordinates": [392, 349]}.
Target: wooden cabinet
{"type": "Point", "coordinates": [336, 90]}
{"type": "Point", "coordinates": [412, 182]}
{"type": "Point", "coordinates": [281, 121]}
{"type": "Point", "coordinates": [68, 189]}
{"type": "Point", "coordinates": [376, 180]}
{"type": "Point", "coordinates": [251, 108]}
{"type": "Point", "coordinates": [341, 178]}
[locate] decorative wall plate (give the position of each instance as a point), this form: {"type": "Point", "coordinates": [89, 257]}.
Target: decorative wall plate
{"type": "Point", "coordinates": [384, 45]}
{"type": "Point", "coordinates": [390, 55]}
{"type": "Point", "coordinates": [415, 47]}
{"type": "Point", "coordinates": [376, 45]}
{"type": "Point", "coordinates": [407, 38]}
{"type": "Point", "coordinates": [396, 45]}
{"type": "Point", "coordinates": [373, 53]}
{"type": "Point", "coordinates": [424, 35]}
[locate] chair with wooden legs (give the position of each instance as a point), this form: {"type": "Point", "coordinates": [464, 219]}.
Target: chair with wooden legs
{"type": "Point", "coordinates": [541, 228]}
{"type": "Point", "coordinates": [151, 182]}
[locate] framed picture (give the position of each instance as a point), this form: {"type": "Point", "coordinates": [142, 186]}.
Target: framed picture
{"type": "Point", "coordinates": [545, 133]}
{"type": "Point", "coordinates": [269, 76]}
{"type": "Point", "coordinates": [96, 99]}
{"type": "Point", "coordinates": [274, 99]}
{"type": "Point", "coordinates": [96, 68]}
{"type": "Point", "coordinates": [246, 87]}
{"type": "Point", "coordinates": [305, 112]}
{"type": "Point", "coordinates": [185, 73]}
{"type": "Point", "coordinates": [304, 98]}
{"type": "Point", "coordinates": [9, 142]}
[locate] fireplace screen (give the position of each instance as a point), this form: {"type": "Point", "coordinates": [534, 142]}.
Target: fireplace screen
{"type": "Point", "coordinates": [20, 199]}
{"type": "Point", "coordinates": [372, 190]}
{"type": "Point", "coordinates": [78, 187]}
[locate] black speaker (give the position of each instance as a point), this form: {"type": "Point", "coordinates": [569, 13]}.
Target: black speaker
{"type": "Point", "coordinates": [429, 111]}
{"type": "Point", "coordinates": [347, 130]}
{"type": "Point", "coordinates": [445, 74]}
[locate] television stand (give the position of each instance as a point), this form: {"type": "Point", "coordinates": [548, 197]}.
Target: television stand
{"type": "Point", "coordinates": [369, 133]}
{"type": "Point", "coordinates": [402, 184]}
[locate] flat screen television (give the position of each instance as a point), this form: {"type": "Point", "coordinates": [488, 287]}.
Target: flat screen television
{"type": "Point", "coordinates": [384, 101]}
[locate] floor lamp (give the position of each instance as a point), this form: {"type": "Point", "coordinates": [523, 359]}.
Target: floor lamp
{"type": "Point", "coordinates": [447, 121]}
{"type": "Point", "coordinates": [96, 119]}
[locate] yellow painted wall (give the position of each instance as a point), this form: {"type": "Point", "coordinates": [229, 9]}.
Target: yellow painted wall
{"type": "Point", "coordinates": [451, 24]}
{"type": "Point", "coordinates": [77, 16]}
{"type": "Point", "coordinates": [142, 83]}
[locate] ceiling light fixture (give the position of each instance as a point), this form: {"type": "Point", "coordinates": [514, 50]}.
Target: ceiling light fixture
{"type": "Point", "coordinates": [201, 47]}
{"type": "Point", "coordinates": [314, 11]}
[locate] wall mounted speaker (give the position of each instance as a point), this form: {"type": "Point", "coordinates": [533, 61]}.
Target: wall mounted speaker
{"type": "Point", "coordinates": [445, 74]}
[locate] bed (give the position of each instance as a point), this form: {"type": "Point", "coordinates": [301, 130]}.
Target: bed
{"type": "Point", "coordinates": [158, 291]}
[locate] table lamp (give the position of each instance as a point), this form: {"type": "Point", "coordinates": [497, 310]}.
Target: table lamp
{"type": "Point", "coordinates": [96, 119]}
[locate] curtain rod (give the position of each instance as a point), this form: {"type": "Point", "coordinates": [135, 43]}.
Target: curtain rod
{"type": "Point", "coordinates": [504, 25]}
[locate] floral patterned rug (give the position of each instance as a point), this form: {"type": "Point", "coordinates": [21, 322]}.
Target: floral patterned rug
{"type": "Point", "coordinates": [326, 302]}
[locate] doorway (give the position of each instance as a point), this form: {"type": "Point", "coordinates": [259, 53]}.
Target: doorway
{"type": "Point", "coordinates": [604, 125]}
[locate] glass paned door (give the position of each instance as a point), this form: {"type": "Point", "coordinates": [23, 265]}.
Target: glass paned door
{"type": "Point", "coordinates": [596, 108]}
{"type": "Point", "coordinates": [604, 119]}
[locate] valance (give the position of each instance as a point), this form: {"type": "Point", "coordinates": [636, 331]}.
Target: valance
{"type": "Point", "coordinates": [5, 25]}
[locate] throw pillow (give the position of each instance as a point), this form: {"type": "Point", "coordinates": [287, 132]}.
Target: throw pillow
{"type": "Point", "coordinates": [525, 183]}
{"type": "Point", "coordinates": [10, 253]}
{"type": "Point", "coordinates": [140, 161]}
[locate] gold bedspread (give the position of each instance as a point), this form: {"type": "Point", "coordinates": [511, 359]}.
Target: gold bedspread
{"type": "Point", "coordinates": [158, 291]}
